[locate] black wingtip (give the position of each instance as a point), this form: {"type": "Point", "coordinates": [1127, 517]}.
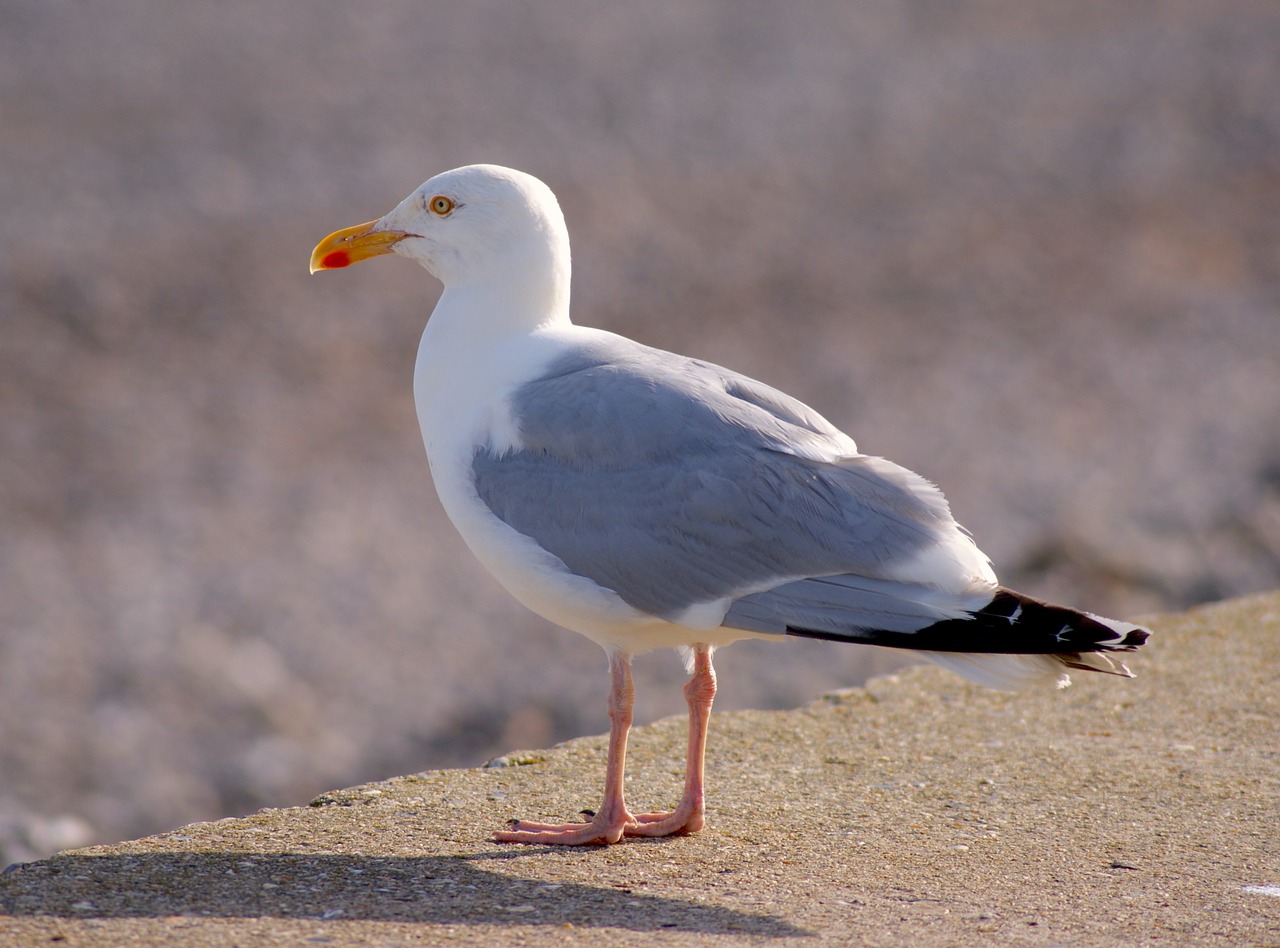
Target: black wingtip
{"type": "Point", "coordinates": [1134, 640]}
{"type": "Point", "coordinates": [1009, 624]}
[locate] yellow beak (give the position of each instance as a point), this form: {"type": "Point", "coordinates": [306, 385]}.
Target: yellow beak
{"type": "Point", "coordinates": [353, 244]}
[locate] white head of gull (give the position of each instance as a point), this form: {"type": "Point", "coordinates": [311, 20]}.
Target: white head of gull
{"type": "Point", "coordinates": [649, 500]}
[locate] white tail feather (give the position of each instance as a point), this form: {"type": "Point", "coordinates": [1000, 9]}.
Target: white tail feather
{"type": "Point", "coordinates": [1003, 672]}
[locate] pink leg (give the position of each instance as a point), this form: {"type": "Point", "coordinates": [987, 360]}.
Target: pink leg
{"type": "Point", "coordinates": [612, 819]}
{"type": "Point", "coordinates": [688, 817]}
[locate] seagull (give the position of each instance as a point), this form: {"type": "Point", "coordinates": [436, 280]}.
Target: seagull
{"type": "Point", "coordinates": [649, 500]}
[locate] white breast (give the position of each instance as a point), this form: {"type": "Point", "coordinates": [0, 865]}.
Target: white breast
{"type": "Point", "coordinates": [462, 391]}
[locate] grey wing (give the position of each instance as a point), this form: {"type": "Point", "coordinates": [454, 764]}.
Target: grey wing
{"type": "Point", "coordinates": [676, 483]}
{"type": "Point", "coordinates": [850, 606]}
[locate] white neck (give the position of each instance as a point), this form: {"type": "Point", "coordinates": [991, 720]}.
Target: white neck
{"type": "Point", "coordinates": [461, 374]}
{"type": "Point", "coordinates": [500, 297]}
{"type": "Point", "coordinates": [487, 309]}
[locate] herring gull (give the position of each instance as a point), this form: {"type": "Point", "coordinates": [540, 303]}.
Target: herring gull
{"type": "Point", "coordinates": [646, 500]}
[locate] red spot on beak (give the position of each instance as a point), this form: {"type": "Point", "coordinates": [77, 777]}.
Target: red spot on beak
{"type": "Point", "coordinates": [335, 260]}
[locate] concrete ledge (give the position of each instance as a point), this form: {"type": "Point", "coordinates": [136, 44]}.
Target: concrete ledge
{"type": "Point", "coordinates": [919, 810]}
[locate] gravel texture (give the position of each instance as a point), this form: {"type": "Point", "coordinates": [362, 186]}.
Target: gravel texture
{"type": "Point", "coordinates": [917, 810]}
{"type": "Point", "coordinates": [1031, 251]}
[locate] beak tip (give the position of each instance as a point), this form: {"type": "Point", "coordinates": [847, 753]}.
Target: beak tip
{"type": "Point", "coordinates": [333, 260]}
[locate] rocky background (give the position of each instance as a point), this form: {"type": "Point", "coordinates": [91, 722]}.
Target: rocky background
{"type": "Point", "coordinates": [1032, 252]}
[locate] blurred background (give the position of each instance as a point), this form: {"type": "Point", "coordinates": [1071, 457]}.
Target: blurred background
{"type": "Point", "coordinates": [1030, 251]}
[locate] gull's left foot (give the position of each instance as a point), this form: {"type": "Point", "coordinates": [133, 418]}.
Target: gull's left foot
{"type": "Point", "coordinates": [602, 829]}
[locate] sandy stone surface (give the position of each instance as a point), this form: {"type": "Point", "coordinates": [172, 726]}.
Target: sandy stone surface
{"type": "Point", "coordinates": [919, 810]}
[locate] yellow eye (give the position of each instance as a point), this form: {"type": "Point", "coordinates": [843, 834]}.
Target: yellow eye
{"type": "Point", "coordinates": [440, 205]}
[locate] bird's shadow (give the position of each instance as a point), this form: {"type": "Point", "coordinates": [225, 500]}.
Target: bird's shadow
{"type": "Point", "coordinates": [423, 889]}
